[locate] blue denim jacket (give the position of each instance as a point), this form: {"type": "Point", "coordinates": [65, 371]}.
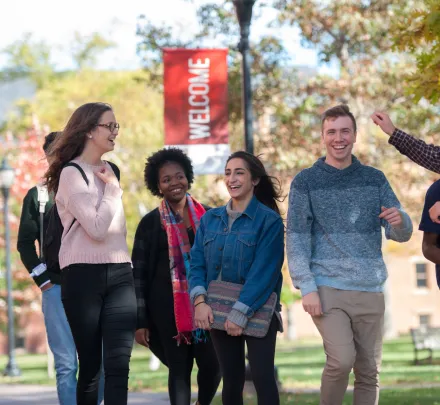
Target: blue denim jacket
{"type": "Point", "coordinates": [252, 253]}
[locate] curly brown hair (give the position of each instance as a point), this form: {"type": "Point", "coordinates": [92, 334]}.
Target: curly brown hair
{"type": "Point", "coordinates": [71, 143]}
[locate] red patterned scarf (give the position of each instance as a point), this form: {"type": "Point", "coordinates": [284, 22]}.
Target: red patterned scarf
{"type": "Point", "coordinates": [179, 252]}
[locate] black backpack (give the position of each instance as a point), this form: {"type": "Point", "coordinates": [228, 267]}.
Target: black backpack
{"type": "Point", "coordinates": [55, 229]}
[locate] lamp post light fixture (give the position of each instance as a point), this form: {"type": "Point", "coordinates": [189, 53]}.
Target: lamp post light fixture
{"type": "Point", "coordinates": [244, 15]}
{"type": "Point", "coordinates": [7, 176]}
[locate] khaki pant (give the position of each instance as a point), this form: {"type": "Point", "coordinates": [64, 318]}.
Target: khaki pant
{"type": "Point", "coordinates": [352, 331]}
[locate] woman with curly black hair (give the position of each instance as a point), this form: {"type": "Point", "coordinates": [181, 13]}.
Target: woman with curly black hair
{"type": "Point", "coordinates": [161, 255]}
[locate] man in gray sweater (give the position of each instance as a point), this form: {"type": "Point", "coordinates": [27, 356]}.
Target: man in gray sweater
{"type": "Point", "coordinates": [337, 209]}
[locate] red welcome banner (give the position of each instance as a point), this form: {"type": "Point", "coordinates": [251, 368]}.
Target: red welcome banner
{"type": "Point", "coordinates": [196, 105]}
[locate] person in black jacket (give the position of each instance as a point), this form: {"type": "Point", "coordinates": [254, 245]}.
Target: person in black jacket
{"type": "Point", "coordinates": [59, 335]}
{"type": "Point", "coordinates": [164, 307]}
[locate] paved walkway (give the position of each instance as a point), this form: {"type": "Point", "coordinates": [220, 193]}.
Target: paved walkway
{"type": "Point", "coordinates": [43, 395]}
{"type": "Point", "coordinates": [46, 395]}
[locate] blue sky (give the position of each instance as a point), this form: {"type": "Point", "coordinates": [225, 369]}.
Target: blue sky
{"type": "Point", "coordinates": [56, 21]}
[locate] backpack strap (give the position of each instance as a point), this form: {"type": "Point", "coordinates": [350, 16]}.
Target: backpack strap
{"type": "Point", "coordinates": [83, 176]}
{"type": "Point", "coordinates": [115, 170]}
{"type": "Point", "coordinates": [43, 198]}
{"type": "Point", "coordinates": [80, 170]}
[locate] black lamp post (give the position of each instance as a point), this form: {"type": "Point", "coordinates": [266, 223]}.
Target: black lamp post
{"type": "Point", "coordinates": [243, 9]}
{"type": "Point", "coordinates": [6, 181]}
{"type": "Point", "coordinates": [244, 15]}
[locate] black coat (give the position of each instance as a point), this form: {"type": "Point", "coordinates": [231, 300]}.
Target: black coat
{"type": "Point", "coordinates": [145, 260]}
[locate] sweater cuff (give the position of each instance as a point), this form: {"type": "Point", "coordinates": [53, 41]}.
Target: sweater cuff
{"type": "Point", "coordinates": [142, 322]}
{"type": "Point", "coordinates": [244, 309]}
{"type": "Point", "coordinates": [404, 233]}
{"type": "Point", "coordinates": [308, 288]}
{"type": "Point", "coordinates": [42, 279]}
{"type": "Point", "coordinates": [40, 274]}
{"type": "Point", "coordinates": [238, 318]}
{"type": "Point", "coordinates": [406, 219]}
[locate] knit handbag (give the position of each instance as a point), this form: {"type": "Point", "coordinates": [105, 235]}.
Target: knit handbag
{"type": "Point", "coordinates": [222, 296]}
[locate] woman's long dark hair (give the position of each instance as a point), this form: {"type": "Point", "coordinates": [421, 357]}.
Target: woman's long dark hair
{"type": "Point", "coordinates": [268, 189]}
{"type": "Point", "coordinates": [70, 144]}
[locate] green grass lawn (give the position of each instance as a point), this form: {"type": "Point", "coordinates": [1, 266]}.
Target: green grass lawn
{"type": "Point", "coordinates": [299, 365]}
{"type": "Point", "coordinates": [399, 397]}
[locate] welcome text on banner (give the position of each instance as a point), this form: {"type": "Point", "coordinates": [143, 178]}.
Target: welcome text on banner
{"type": "Point", "coordinates": [196, 106]}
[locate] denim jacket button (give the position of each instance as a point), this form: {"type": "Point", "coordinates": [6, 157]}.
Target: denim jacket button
{"type": "Point", "coordinates": [220, 248]}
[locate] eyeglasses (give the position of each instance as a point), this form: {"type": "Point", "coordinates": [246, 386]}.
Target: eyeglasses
{"type": "Point", "coordinates": [112, 126]}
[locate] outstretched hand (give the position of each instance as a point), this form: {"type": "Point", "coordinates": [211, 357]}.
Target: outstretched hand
{"type": "Point", "coordinates": [384, 122]}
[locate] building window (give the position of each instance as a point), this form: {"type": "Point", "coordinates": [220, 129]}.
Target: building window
{"type": "Point", "coordinates": [20, 341]}
{"type": "Point", "coordinates": [424, 321]}
{"type": "Point", "coordinates": [421, 275]}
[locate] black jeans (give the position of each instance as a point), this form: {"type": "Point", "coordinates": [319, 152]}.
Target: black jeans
{"type": "Point", "coordinates": [181, 358]}
{"type": "Point", "coordinates": [231, 356]}
{"type": "Point", "coordinates": [100, 304]}
{"type": "Point", "coordinates": [180, 361]}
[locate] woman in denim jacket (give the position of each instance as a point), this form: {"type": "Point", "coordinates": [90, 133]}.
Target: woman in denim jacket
{"type": "Point", "coordinates": [242, 242]}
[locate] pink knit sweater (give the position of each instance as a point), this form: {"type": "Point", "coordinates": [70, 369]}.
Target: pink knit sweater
{"type": "Point", "coordinates": [99, 233]}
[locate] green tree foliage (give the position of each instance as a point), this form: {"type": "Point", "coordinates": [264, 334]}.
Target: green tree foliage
{"type": "Point", "coordinates": [351, 35]}
{"type": "Point", "coordinates": [418, 32]}
{"type": "Point", "coordinates": [85, 49]}
{"type": "Point", "coordinates": [271, 75]}
{"type": "Point", "coordinates": [29, 164]}
{"type": "Point", "coordinates": [28, 58]}
{"type": "Point", "coordinates": [137, 108]}
{"type": "Point", "coordinates": [347, 30]}
{"type": "Point", "coordinates": [354, 35]}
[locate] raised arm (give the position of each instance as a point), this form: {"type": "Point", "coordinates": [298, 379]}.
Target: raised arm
{"type": "Point", "coordinates": [427, 156]}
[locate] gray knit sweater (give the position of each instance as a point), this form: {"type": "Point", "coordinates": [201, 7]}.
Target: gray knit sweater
{"type": "Point", "coordinates": [334, 233]}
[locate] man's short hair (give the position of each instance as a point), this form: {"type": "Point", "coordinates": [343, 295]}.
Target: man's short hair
{"type": "Point", "coordinates": [48, 139]}
{"type": "Point", "coordinates": [341, 110]}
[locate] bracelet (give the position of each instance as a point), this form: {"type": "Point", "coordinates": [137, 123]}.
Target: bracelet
{"type": "Point", "coordinates": [201, 302]}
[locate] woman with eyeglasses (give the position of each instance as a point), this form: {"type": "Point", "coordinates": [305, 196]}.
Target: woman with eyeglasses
{"type": "Point", "coordinates": [97, 286]}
